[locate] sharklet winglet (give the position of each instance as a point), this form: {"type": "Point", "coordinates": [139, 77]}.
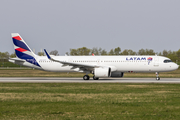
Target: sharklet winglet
{"type": "Point", "coordinates": [47, 54]}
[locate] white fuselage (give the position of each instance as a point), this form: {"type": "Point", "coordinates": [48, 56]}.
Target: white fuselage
{"type": "Point", "coordinates": [116, 63]}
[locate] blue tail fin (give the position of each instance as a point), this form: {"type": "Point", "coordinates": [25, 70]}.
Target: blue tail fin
{"type": "Point", "coordinates": [22, 50]}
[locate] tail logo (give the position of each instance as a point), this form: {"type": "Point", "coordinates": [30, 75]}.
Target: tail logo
{"type": "Point", "coordinates": [23, 51]}
{"type": "Point", "coordinates": [19, 43]}
{"type": "Point", "coordinates": [20, 49]}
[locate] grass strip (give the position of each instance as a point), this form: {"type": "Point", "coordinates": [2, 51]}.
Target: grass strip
{"type": "Point", "coordinates": [89, 101]}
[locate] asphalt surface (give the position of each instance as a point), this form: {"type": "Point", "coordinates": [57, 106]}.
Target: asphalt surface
{"type": "Point", "coordinates": [80, 80]}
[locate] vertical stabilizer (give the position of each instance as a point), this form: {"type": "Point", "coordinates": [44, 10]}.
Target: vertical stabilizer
{"type": "Point", "coordinates": [22, 50]}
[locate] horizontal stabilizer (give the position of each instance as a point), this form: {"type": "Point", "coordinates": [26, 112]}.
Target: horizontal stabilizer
{"type": "Point", "coordinates": [17, 59]}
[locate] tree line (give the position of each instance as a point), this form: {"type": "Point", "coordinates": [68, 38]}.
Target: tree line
{"type": "Point", "coordinates": [173, 55]}
{"type": "Point", "coordinates": [115, 51]}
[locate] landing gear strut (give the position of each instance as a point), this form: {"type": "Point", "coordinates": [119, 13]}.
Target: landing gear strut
{"type": "Point", "coordinates": [157, 76]}
{"type": "Point", "coordinates": [86, 77]}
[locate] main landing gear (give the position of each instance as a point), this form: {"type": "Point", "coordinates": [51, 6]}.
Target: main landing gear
{"type": "Point", "coordinates": [95, 78]}
{"type": "Point", "coordinates": [157, 76]}
{"type": "Point", "coordinates": [86, 77]}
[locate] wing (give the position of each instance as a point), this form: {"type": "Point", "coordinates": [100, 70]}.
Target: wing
{"type": "Point", "coordinates": [83, 67]}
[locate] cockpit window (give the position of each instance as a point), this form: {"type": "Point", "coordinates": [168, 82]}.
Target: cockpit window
{"type": "Point", "coordinates": [167, 61]}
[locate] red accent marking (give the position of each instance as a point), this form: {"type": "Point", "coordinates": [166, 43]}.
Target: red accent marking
{"type": "Point", "coordinates": [150, 58]}
{"type": "Point", "coordinates": [92, 54]}
{"type": "Point", "coordinates": [21, 50]}
{"type": "Point", "coordinates": [17, 38]}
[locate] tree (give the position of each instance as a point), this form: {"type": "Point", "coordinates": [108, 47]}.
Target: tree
{"type": "Point", "coordinates": [103, 52]}
{"type": "Point", "coordinates": [125, 52]}
{"type": "Point", "coordinates": [173, 56]}
{"type": "Point", "coordinates": [80, 51]}
{"type": "Point", "coordinates": [73, 52]}
{"type": "Point", "coordinates": [13, 55]}
{"type": "Point", "coordinates": [131, 52]}
{"type": "Point", "coordinates": [41, 53]}
{"type": "Point", "coordinates": [160, 54]}
{"type": "Point", "coordinates": [141, 52]}
{"type": "Point", "coordinates": [150, 52]}
{"type": "Point", "coordinates": [165, 53]}
{"type": "Point", "coordinates": [111, 52]}
{"type": "Point", "coordinates": [117, 51]}
{"type": "Point", "coordinates": [54, 52]}
{"type": "Point", "coordinates": [96, 51]}
{"type": "Point", "coordinates": [128, 52]}
{"type": "Point", "coordinates": [86, 51]}
{"type": "Point", "coordinates": [4, 55]}
{"type": "Point", "coordinates": [83, 51]}
{"type": "Point", "coordinates": [146, 52]}
{"type": "Point", "coordinates": [178, 54]}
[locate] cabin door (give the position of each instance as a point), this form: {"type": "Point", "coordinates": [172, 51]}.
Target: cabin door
{"type": "Point", "coordinates": [156, 61]}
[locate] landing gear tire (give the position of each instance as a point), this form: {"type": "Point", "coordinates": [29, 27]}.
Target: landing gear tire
{"type": "Point", "coordinates": [158, 78]}
{"type": "Point", "coordinates": [95, 78]}
{"type": "Point", "coordinates": [86, 77]}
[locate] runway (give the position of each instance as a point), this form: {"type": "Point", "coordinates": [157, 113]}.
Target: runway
{"type": "Point", "coordinates": [80, 80]}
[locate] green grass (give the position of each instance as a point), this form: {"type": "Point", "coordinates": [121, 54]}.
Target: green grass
{"type": "Point", "coordinates": [8, 64]}
{"type": "Point", "coordinates": [81, 101]}
{"type": "Point", "coordinates": [39, 73]}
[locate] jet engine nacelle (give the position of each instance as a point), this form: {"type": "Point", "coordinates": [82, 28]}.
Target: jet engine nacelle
{"type": "Point", "coordinates": [117, 74]}
{"type": "Point", "coordinates": [102, 72]}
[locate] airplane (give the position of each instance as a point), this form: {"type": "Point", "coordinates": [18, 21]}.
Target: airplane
{"type": "Point", "coordinates": [99, 66]}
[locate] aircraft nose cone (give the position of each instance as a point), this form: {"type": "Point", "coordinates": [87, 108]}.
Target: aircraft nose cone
{"type": "Point", "coordinates": [174, 66]}
{"type": "Point", "coordinates": [177, 66]}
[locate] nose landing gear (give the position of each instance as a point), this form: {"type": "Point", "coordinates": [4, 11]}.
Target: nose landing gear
{"type": "Point", "coordinates": [157, 76]}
